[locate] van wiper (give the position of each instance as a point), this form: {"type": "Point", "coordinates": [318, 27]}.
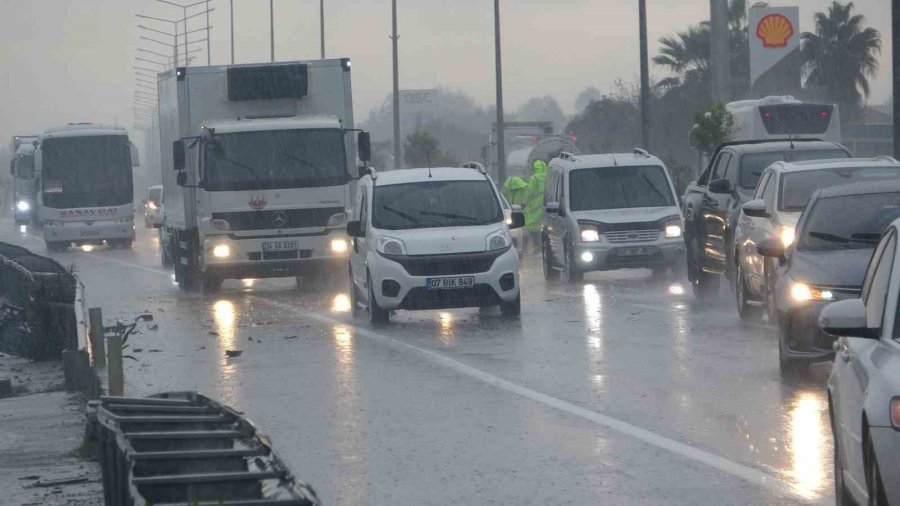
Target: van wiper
{"type": "Point", "coordinates": [400, 214]}
{"type": "Point", "coordinates": [451, 216]}
{"type": "Point", "coordinates": [661, 196]}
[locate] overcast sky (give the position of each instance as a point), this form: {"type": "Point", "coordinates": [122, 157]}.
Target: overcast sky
{"type": "Point", "coordinates": [73, 59]}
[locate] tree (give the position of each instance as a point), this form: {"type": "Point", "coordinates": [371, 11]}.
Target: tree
{"type": "Point", "coordinates": [423, 150]}
{"type": "Point", "coordinates": [840, 57]}
{"type": "Point", "coordinates": [712, 128]}
{"type": "Point", "coordinates": [584, 99]}
{"type": "Point", "coordinates": [542, 109]}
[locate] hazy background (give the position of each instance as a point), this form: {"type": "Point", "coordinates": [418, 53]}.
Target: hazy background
{"type": "Point", "coordinates": [67, 60]}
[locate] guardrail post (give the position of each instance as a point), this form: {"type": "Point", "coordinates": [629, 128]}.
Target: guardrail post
{"type": "Point", "coordinates": [116, 374]}
{"type": "Point", "coordinates": [98, 346]}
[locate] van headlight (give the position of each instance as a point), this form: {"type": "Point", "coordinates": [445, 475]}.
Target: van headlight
{"type": "Point", "coordinates": [673, 229]}
{"type": "Point", "coordinates": [23, 206]}
{"type": "Point", "coordinates": [801, 292]}
{"type": "Point", "coordinates": [589, 233]}
{"type": "Point", "coordinates": [497, 240]}
{"type": "Point", "coordinates": [390, 246]}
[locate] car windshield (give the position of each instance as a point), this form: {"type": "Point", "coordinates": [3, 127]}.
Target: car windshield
{"type": "Point", "coordinates": [273, 159]}
{"type": "Point", "coordinates": [798, 187]}
{"type": "Point", "coordinates": [428, 204]}
{"type": "Point", "coordinates": [753, 164]}
{"type": "Point", "coordinates": [86, 171]}
{"type": "Point", "coordinates": [848, 222]}
{"type": "Point", "coordinates": [619, 188]}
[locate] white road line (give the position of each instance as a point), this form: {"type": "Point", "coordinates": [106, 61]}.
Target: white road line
{"type": "Point", "coordinates": [746, 473]}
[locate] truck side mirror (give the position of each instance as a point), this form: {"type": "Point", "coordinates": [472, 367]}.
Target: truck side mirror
{"type": "Point", "coordinates": [551, 208]}
{"type": "Point", "coordinates": [178, 155]}
{"type": "Point", "coordinates": [364, 145]}
{"type": "Point", "coordinates": [181, 178]}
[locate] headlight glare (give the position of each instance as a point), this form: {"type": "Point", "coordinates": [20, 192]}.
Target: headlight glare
{"type": "Point", "coordinates": [787, 236]}
{"type": "Point", "coordinates": [673, 230]}
{"type": "Point", "coordinates": [801, 292]}
{"type": "Point", "coordinates": [589, 233]}
{"type": "Point", "coordinates": [221, 251]}
{"type": "Point", "coordinates": [339, 246]}
{"type": "Point", "coordinates": [23, 205]}
{"type": "Point", "coordinates": [151, 205]}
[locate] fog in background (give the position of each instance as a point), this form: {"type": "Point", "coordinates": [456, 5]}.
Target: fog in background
{"type": "Point", "coordinates": [66, 60]}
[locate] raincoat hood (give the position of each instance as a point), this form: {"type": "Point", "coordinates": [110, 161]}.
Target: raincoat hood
{"type": "Point", "coordinates": [540, 168]}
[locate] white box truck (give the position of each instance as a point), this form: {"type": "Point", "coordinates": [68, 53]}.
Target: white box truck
{"type": "Point", "coordinates": [257, 167]}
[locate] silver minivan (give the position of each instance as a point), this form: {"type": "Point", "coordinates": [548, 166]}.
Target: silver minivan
{"type": "Point", "coordinates": [610, 211]}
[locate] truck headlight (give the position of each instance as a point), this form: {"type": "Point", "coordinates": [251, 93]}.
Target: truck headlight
{"type": "Point", "coordinates": [589, 233]}
{"type": "Point", "coordinates": [23, 206]}
{"type": "Point", "coordinates": [339, 246]}
{"type": "Point", "coordinates": [497, 240]}
{"type": "Point", "coordinates": [673, 230]}
{"type": "Point", "coordinates": [222, 225]}
{"type": "Point", "coordinates": [337, 220]}
{"type": "Point", "coordinates": [801, 292]}
{"type": "Point", "coordinates": [390, 246]}
{"type": "Point", "coordinates": [221, 251]}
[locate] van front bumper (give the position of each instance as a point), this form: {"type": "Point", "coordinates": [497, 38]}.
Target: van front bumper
{"type": "Point", "coordinates": [603, 255]}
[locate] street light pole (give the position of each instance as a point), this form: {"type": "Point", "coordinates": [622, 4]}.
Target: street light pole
{"type": "Point", "coordinates": [394, 37]}
{"type": "Point", "coordinates": [272, 29]}
{"type": "Point", "coordinates": [645, 75]}
{"type": "Point", "coordinates": [719, 49]}
{"type": "Point", "coordinates": [231, 8]}
{"type": "Point", "coordinates": [322, 25]}
{"type": "Point", "coordinates": [501, 130]}
{"type": "Point", "coordinates": [895, 47]}
{"type": "Point", "coordinates": [208, 57]}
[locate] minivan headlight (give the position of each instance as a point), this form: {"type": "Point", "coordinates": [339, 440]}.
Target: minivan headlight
{"type": "Point", "coordinates": [589, 233]}
{"type": "Point", "coordinates": [497, 240]}
{"type": "Point", "coordinates": [673, 229]}
{"type": "Point", "coordinates": [390, 246]}
{"type": "Point", "coordinates": [23, 205]}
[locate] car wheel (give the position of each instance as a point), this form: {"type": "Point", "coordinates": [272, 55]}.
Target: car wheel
{"type": "Point", "coordinates": [745, 310]}
{"type": "Point", "coordinates": [841, 494]}
{"type": "Point", "coordinates": [547, 262]}
{"type": "Point", "coordinates": [377, 316]}
{"type": "Point", "coordinates": [512, 309]}
{"type": "Point", "coordinates": [572, 273]}
{"type": "Point", "coordinates": [704, 284]}
{"type": "Point", "coordinates": [877, 494]}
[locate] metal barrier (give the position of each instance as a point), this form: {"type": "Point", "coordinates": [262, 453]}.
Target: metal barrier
{"type": "Point", "coordinates": [46, 292]}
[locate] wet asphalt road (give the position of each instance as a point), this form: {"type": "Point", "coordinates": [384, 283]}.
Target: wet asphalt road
{"type": "Point", "coordinates": [618, 390]}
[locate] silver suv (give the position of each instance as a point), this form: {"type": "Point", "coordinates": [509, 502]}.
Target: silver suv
{"type": "Point", "coordinates": [610, 211]}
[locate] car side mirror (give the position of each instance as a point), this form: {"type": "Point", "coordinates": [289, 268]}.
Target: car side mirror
{"type": "Point", "coordinates": [353, 229]}
{"type": "Point", "coordinates": [721, 186]}
{"type": "Point", "coordinates": [518, 220]}
{"type": "Point", "coordinates": [178, 155]}
{"type": "Point", "coordinates": [552, 208]}
{"type": "Point", "coordinates": [364, 145]}
{"type": "Point", "coordinates": [846, 318]}
{"type": "Point", "coordinates": [181, 178]}
{"type": "Point", "coordinates": [756, 209]}
{"type": "Point", "coordinates": [771, 247]}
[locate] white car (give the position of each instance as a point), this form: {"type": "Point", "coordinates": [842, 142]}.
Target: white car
{"type": "Point", "coordinates": [781, 196]}
{"type": "Point", "coordinates": [431, 239]}
{"type": "Point", "coordinates": [153, 207]}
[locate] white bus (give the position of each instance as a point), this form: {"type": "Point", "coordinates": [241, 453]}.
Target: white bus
{"type": "Point", "coordinates": [782, 117]}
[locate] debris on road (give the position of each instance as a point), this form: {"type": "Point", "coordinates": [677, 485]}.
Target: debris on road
{"type": "Point", "coordinates": [233, 353]}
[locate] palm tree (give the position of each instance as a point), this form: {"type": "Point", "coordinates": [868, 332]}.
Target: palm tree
{"type": "Point", "coordinates": [841, 56]}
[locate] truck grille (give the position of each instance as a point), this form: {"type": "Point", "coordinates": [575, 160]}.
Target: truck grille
{"type": "Point", "coordinates": [632, 235]}
{"type": "Point", "coordinates": [286, 218]}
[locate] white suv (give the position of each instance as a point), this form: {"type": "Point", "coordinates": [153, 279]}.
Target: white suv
{"type": "Point", "coordinates": [431, 239]}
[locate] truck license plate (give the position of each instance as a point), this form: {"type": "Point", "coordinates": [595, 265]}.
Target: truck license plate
{"type": "Point", "coordinates": [450, 283]}
{"type": "Point", "coordinates": [269, 247]}
{"type": "Point", "coordinates": [636, 251]}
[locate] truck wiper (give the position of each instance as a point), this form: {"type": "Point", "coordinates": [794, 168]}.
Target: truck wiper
{"type": "Point", "coordinates": [249, 169]}
{"type": "Point", "coordinates": [304, 162]}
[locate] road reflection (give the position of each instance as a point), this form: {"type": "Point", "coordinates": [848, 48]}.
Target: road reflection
{"type": "Point", "coordinates": [446, 333]}
{"type": "Point", "coordinates": [807, 444]}
{"type": "Point", "coordinates": [347, 426]}
{"type": "Point", "coordinates": [593, 317]}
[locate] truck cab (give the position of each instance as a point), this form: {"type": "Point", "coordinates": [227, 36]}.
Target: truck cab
{"type": "Point", "coordinates": [24, 188]}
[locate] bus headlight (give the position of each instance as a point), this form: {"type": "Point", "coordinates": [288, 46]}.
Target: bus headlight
{"type": "Point", "coordinates": [221, 251]}
{"type": "Point", "coordinates": [23, 206]}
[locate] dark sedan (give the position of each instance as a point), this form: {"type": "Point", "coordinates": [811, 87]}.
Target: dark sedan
{"type": "Point", "coordinates": [835, 238]}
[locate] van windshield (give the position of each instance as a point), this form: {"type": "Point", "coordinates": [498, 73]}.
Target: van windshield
{"type": "Point", "coordinates": [429, 204]}
{"type": "Point", "coordinates": [619, 188]}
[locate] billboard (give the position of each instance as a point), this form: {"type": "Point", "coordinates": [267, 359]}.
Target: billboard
{"type": "Point", "coordinates": [774, 50]}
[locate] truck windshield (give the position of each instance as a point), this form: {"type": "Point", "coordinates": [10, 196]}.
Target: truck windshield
{"type": "Point", "coordinates": [273, 159]}
{"type": "Point", "coordinates": [24, 167]}
{"type": "Point", "coordinates": [86, 171]}
{"type": "Point", "coordinates": [848, 222]}
{"type": "Point", "coordinates": [619, 188]}
{"type": "Point", "coordinates": [753, 164]}
{"type": "Point", "coordinates": [798, 187]}
{"type": "Point", "coordinates": [429, 204]}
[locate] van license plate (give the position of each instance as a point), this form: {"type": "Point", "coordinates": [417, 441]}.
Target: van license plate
{"type": "Point", "coordinates": [636, 251]}
{"type": "Point", "coordinates": [450, 283]}
{"type": "Point", "coordinates": [269, 247]}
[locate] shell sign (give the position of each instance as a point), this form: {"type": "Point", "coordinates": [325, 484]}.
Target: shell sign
{"type": "Point", "coordinates": [774, 30]}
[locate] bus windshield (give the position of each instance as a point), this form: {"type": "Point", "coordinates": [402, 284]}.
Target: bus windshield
{"type": "Point", "coordinates": [86, 171]}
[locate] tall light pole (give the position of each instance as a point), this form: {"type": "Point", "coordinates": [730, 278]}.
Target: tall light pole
{"type": "Point", "coordinates": [895, 48]}
{"type": "Point", "coordinates": [208, 54]}
{"type": "Point", "coordinates": [501, 131]}
{"type": "Point", "coordinates": [231, 9]}
{"type": "Point", "coordinates": [645, 75]}
{"type": "Point", "coordinates": [394, 38]}
{"type": "Point", "coordinates": [322, 25]}
{"type": "Point", "coordinates": [184, 9]}
{"type": "Point", "coordinates": [272, 29]}
{"type": "Point", "coordinates": [719, 50]}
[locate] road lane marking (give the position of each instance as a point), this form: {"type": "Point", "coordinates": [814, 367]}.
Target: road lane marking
{"type": "Point", "coordinates": [749, 474]}
{"type": "Point", "coordinates": [741, 471]}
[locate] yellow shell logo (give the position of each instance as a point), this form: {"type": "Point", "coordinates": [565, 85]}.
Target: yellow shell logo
{"type": "Point", "coordinates": [774, 30]}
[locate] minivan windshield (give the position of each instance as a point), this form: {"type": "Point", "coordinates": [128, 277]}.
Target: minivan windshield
{"type": "Point", "coordinates": [848, 222]}
{"type": "Point", "coordinates": [753, 164]}
{"type": "Point", "coordinates": [619, 187]}
{"type": "Point", "coordinates": [428, 204]}
{"type": "Point", "coordinates": [798, 187]}
{"type": "Point", "coordinates": [273, 159]}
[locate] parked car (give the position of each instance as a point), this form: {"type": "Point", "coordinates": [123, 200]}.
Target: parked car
{"type": "Point", "coordinates": [610, 211]}
{"type": "Point", "coordinates": [781, 196]}
{"type": "Point", "coordinates": [713, 203]}
{"type": "Point", "coordinates": [864, 387]}
{"type": "Point", "coordinates": [836, 235]}
{"type": "Point", "coordinates": [153, 207]}
{"type": "Point", "coordinates": [432, 239]}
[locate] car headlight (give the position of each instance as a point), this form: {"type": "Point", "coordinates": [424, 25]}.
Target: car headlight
{"type": "Point", "coordinates": [23, 205]}
{"type": "Point", "coordinates": [390, 246]}
{"type": "Point", "coordinates": [337, 220]}
{"type": "Point", "coordinates": [801, 292]}
{"type": "Point", "coordinates": [221, 251]}
{"type": "Point", "coordinates": [589, 233]}
{"type": "Point", "coordinates": [222, 225]}
{"type": "Point", "coordinates": [151, 205]}
{"type": "Point", "coordinates": [673, 229]}
{"type": "Point", "coordinates": [787, 235]}
{"type": "Point", "coordinates": [497, 240]}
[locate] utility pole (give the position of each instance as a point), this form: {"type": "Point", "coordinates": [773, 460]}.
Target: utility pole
{"type": "Point", "coordinates": [501, 131]}
{"type": "Point", "coordinates": [645, 76]}
{"type": "Point", "coordinates": [208, 56]}
{"type": "Point", "coordinates": [272, 29]}
{"type": "Point", "coordinates": [322, 25]}
{"type": "Point", "coordinates": [720, 59]}
{"type": "Point", "coordinates": [231, 8]}
{"type": "Point", "coordinates": [397, 161]}
{"type": "Point", "coordinates": [895, 47]}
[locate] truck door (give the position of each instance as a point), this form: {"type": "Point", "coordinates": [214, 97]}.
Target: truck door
{"type": "Point", "coordinates": [714, 215]}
